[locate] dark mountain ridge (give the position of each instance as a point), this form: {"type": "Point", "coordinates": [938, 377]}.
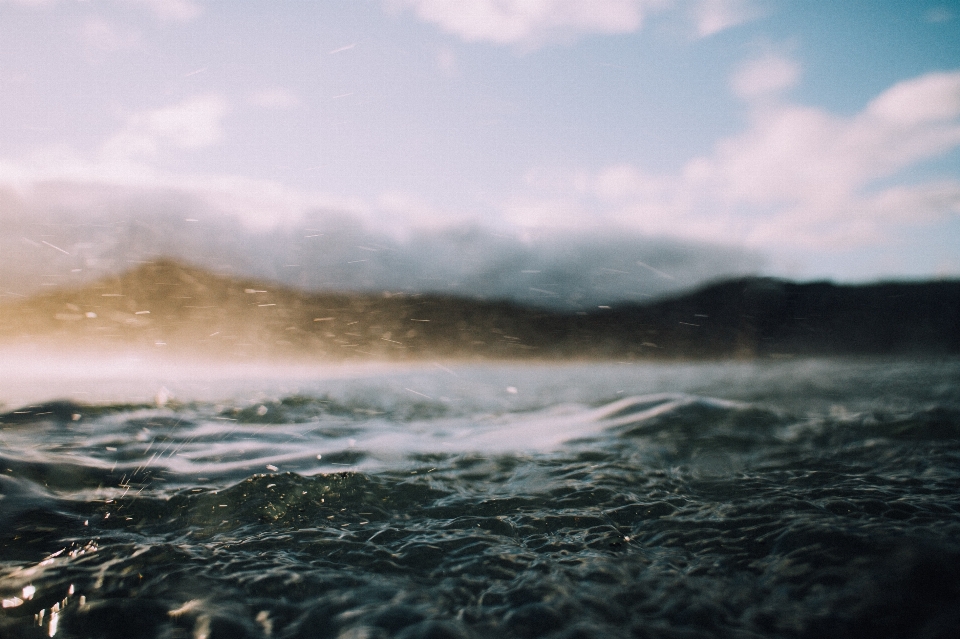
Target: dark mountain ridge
{"type": "Point", "coordinates": [764, 316]}
{"type": "Point", "coordinates": [170, 306]}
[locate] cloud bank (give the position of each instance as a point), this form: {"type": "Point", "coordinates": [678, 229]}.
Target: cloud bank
{"type": "Point", "coordinates": [63, 233]}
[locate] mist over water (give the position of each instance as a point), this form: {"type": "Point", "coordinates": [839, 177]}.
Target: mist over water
{"type": "Point", "coordinates": [447, 499]}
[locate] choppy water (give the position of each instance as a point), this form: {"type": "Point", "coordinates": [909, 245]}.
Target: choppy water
{"type": "Point", "coordinates": [796, 499]}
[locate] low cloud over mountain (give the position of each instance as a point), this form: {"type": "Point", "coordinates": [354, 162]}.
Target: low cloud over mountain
{"type": "Point", "coordinates": [64, 236]}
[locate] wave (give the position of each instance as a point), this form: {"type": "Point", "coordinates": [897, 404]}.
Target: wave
{"type": "Point", "coordinates": [512, 515]}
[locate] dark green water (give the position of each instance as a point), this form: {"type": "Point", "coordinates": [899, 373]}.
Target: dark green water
{"type": "Point", "coordinates": [804, 499]}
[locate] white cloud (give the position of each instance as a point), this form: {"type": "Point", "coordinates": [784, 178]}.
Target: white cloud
{"type": "Point", "coordinates": [929, 98]}
{"type": "Point", "coordinates": [531, 23]}
{"type": "Point", "coordinates": [126, 168]}
{"type": "Point", "coordinates": [797, 177]}
{"type": "Point", "coordinates": [125, 172]}
{"type": "Point", "coordinates": [193, 123]}
{"type": "Point", "coordinates": [714, 16]}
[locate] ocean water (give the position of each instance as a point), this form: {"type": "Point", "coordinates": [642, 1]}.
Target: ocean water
{"type": "Point", "coordinates": [805, 498]}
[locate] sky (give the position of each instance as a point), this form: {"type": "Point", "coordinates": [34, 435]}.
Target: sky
{"type": "Point", "coordinates": [559, 152]}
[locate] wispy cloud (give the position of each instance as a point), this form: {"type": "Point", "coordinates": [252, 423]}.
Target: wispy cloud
{"type": "Point", "coordinates": [528, 21]}
{"type": "Point", "coordinates": [714, 16]}
{"type": "Point", "coordinates": [192, 123]}
{"type": "Point", "coordinates": [343, 48]}
{"type": "Point", "coordinates": [129, 171]}
{"type": "Point", "coordinates": [531, 23]}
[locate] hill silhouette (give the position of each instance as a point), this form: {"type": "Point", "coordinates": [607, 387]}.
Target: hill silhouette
{"type": "Point", "coordinates": [171, 306]}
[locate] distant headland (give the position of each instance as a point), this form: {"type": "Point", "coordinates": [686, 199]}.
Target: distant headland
{"type": "Point", "coordinates": [182, 309]}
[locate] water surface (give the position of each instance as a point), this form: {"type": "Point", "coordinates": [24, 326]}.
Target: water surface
{"type": "Point", "coordinates": [779, 499]}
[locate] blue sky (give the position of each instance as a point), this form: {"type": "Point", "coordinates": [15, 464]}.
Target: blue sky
{"type": "Point", "coordinates": [495, 147]}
